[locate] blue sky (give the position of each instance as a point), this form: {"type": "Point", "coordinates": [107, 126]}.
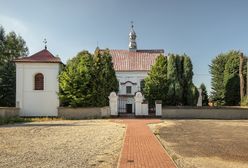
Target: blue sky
{"type": "Point", "coordinates": [200, 28]}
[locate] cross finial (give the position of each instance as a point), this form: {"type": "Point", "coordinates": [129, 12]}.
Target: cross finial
{"type": "Point", "coordinates": [132, 24]}
{"type": "Point", "coordinates": [45, 42]}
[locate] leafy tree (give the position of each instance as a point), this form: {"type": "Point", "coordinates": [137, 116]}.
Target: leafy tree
{"type": "Point", "coordinates": [204, 95]}
{"type": "Point", "coordinates": [75, 81]}
{"type": "Point", "coordinates": [11, 47]}
{"type": "Point", "coordinates": [156, 82]}
{"type": "Point", "coordinates": [87, 80]}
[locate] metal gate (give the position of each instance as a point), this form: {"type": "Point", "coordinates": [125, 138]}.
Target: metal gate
{"type": "Point", "coordinates": [126, 104]}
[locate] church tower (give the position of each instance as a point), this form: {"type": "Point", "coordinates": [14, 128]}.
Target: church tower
{"type": "Point", "coordinates": [132, 39]}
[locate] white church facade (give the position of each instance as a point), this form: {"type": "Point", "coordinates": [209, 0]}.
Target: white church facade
{"type": "Point", "coordinates": [37, 84]}
{"type": "Point", "coordinates": [37, 78]}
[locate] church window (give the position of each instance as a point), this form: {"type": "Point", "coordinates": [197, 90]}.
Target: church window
{"type": "Point", "coordinates": [142, 85]}
{"type": "Point", "coordinates": [39, 82]}
{"type": "Point", "coordinates": [128, 89]}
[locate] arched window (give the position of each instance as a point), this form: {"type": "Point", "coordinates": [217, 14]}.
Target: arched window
{"type": "Point", "coordinates": [39, 81]}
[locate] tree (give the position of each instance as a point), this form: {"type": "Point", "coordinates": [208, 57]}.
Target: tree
{"type": "Point", "coordinates": [87, 80]}
{"type": "Point", "coordinates": [190, 89]}
{"type": "Point", "coordinates": [156, 81]}
{"type": "Point", "coordinates": [225, 70]}
{"type": "Point", "coordinates": [75, 81]}
{"type": "Point", "coordinates": [217, 68]}
{"type": "Point", "coordinates": [105, 78]}
{"type": "Point", "coordinates": [231, 79]}
{"type": "Point", "coordinates": [204, 95]}
{"type": "Point", "coordinates": [172, 82]}
{"type": "Point", "coordinates": [11, 47]}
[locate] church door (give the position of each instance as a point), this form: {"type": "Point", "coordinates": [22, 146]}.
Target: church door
{"type": "Point", "coordinates": [129, 108]}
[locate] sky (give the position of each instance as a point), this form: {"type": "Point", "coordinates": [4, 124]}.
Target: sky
{"type": "Point", "coordinates": [202, 29]}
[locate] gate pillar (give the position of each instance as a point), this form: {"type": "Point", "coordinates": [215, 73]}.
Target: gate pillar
{"type": "Point", "coordinates": [113, 104]}
{"type": "Point", "coordinates": [138, 103]}
{"type": "Point", "coordinates": [158, 107]}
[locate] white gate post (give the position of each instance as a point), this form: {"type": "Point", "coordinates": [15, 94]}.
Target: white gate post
{"type": "Point", "coordinates": [138, 100]}
{"type": "Point", "coordinates": [199, 102]}
{"type": "Point", "coordinates": [158, 107]}
{"type": "Point", "coordinates": [113, 104]}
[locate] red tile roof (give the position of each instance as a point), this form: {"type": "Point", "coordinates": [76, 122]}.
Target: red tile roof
{"type": "Point", "coordinates": [139, 60]}
{"type": "Point", "coordinates": [44, 56]}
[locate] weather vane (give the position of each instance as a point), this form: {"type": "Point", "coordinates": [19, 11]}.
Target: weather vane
{"type": "Point", "coordinates": [45, 42]}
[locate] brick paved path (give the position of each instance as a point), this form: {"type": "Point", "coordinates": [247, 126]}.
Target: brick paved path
{"type": "Point", "coordinates": [141, 148]}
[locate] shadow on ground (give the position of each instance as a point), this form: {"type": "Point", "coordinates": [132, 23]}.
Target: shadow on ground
{"type": "Point", "coordinates": [227, 140]}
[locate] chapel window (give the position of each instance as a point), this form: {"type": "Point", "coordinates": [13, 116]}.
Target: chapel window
{"type": "Point", "coordinates": [129, 89]}
{"type": "Point", "coordinates": [39, 82]}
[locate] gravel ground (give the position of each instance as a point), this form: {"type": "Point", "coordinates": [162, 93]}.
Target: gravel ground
{"type": "Point", "coordinates": [78, 143]}
{"type": "Point", "coordinates": [205, 143]}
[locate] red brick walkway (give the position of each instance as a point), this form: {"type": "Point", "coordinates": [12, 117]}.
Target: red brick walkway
{"type": "Point", "coordinates": [141, 148]}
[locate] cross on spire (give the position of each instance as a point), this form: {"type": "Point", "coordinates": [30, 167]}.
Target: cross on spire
{"type": "Point", "coordinates": [45, 42]}
{"type": "Point", "coordinates": [132, 24]}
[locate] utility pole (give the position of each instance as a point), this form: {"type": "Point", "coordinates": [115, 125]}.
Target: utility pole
{"type": "Point", "coordinates": [241, 60]}
{"type": "Point", "coordinates": [247, 79]}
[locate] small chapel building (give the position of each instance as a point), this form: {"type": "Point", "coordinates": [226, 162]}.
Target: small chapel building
{"type": "Point", "coordinates": [37, 84]}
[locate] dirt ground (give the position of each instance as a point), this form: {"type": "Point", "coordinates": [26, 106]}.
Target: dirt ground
{"type": "Point", "coordinates": [85, 143]}
{"type": "Point", "coordinates": [205, 143]}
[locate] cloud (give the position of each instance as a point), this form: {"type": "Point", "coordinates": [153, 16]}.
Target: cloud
{"type": "Point", "coordinates": [13, 24]}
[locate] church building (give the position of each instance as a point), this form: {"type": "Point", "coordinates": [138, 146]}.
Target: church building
{"type": "Point", "coordinates": [131, 67]}
{"type": "Point", "coordinates": [37, 78]}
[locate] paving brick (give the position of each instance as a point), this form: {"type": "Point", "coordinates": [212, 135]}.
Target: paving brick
{"type": "Point", "coordinates": [141, 149]}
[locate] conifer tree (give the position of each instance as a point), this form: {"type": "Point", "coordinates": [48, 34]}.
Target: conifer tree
{"type": "Point", "coordinates": [217, 69]}
{"type": "Point", "coordinates": [204, 95]}
{"type": "Point", "coordinates": [156, 83]}
{"type": "Point", "coordinates": [172, 80]}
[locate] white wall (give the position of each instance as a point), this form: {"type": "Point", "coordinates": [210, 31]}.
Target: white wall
{"type": "Point", "coordinates": [134, 77]}
{"type": "Point", "coordinates": [37, 102]}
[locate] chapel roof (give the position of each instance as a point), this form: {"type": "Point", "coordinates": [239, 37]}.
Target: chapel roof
{"type": "Point", "coordinates": [139, 60]}
{"type": "Point", "coordinates": [43, 56]}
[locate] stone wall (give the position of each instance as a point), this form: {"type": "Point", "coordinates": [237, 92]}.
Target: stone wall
{"type": "Point", "coordinates": [6, 112]}
{"type": "Point", "coordinates": [205, 113]}
{"type": "Point", "coordinates": [83, 112]}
